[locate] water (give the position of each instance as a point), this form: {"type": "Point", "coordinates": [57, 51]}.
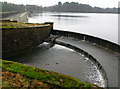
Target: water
{"type": "Point", "coordinates": [67, 61]}
{"type": "Point", "coordinates": [63, 60]}
{"type": "Point", "coordinates": [101, 25]}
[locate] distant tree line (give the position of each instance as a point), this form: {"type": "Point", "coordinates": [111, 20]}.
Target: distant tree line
{"type": "Point", "coordinates": [11, 7]}
{"type": "Point", "coordinates": [6, 7]}
{"type": "Point", "coordinates": [65, 7]}
{"type": "Point", "coordinates": [76, 7]}
{"type": "Point", "coordinates": [33, 8]}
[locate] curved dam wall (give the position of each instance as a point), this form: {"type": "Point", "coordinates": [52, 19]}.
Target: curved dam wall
{"type": "Point", "coordinates": [17, 40]}
{"type": "Point", "coordinates": [98, 41]}
{"type": "Point", "coordinates": [87, 55]}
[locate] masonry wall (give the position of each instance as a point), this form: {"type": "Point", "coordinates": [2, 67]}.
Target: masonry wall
{"type": "Point", "coordinates": [17, 40]}
{"type": "Point", "coordinates": [97, 41]}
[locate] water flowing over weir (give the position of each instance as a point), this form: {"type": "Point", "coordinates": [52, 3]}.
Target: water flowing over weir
{"type": "Point", "coordinates": [64, 60]}
{"type": "Point", "coordinates": [102, 53]}
{"type": "Point", "coordinates": [90, 58]}
{"type": "Point", "coordinates": [87, 58]}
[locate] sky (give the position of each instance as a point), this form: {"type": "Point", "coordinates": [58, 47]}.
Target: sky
{"type": "Point", "coordinates": [98, 3]}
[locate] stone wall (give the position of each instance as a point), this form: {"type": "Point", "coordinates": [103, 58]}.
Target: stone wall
{"type": "Point", "coordinates": [87, 55]}
{"type": "Point", "coordinates": [96, 41]}
{"type": "Point", "coordinates": [17, 40]}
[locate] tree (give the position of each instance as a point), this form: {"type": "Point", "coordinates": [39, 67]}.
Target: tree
{"type": "Point", "coordinates": [59, 6]}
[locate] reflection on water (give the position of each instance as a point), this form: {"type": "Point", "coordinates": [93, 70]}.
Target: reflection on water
{"type": "Point", "coordinates": [63, 60]}
{"type": "Point", "coordinates": [67, 16]}
{"type": "Point", "coordinates": [100, 25]}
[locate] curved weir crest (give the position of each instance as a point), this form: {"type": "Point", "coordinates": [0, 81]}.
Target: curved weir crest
{"type": "Point", "coordinates": [64, 60]}
{"type": "Point", "coordinates": [101, 55]}
{"type": "Point", "coordinates": [92, 59]}
{"type": "Point", "coordinates": [101, 52]}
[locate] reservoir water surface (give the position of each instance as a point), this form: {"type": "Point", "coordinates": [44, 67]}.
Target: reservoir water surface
{"type": "Point", "coordinates": [100, 25]}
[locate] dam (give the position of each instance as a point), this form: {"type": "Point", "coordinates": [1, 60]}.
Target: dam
{"type": "Point", "coordinates": [101, 53]}
{"type": "Point", "coordinates": [15, 16]}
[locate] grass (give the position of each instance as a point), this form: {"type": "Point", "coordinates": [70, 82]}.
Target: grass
{"type": "Point", "coordinates": [38, 76]}
{"type": "Point", "coordinates": [17, 25]}
{"type": "Point", "coordinates": [16, 80]}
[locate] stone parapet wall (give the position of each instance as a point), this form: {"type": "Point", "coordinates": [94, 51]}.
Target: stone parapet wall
{"type": "Point", "coordinates": [96, 41]}
{"type": "Point", "coordinates": [15, 40]}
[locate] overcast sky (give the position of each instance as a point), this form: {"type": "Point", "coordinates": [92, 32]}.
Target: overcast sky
{"type": "Point", "coordinates": [98, 3]}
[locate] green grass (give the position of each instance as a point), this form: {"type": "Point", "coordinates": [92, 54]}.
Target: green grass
{"type": "Point", "coordinates": [52, 78]}
{"type": "Point", "coordinates": [18, 25]}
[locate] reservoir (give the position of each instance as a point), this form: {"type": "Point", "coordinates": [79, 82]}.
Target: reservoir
{"type": "Point", "coordinates": [100, 25]}
{"type": "Point", "coordinates": [65, 60]}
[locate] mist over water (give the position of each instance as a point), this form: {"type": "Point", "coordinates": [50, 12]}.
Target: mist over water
{"type": "Point", "coordinates": [100, 25]}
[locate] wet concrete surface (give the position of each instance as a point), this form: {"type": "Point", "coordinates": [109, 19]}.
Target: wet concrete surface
{"type": "Point", "coordinates": [107, 59]}
{"type": "Point", "coordinates": [63, 60]}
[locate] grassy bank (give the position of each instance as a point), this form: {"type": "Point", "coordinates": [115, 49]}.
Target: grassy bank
{"type": "Point", "coordinates": [18, 25]}
{"type": "Point", "coordinates": [20, 75]}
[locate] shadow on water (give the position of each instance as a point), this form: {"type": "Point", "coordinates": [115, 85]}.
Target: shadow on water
{"type": "Point", "coordinates": [35, 14]}
{"type": "Point", "coordinates": [32, 52]}
{"type": "Point", "coordinates": [68, 16]}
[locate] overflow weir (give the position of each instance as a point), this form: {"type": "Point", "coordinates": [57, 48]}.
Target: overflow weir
{"type": "Point", "coordinates": [102, 53]}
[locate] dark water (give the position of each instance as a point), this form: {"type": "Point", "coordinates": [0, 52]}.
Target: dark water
{"type": "Point", "coordinates": [63, 60]}
{"type": "Point", "coordinates": [101, 25]}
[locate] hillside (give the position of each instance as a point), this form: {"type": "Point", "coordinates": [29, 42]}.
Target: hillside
{"type": "Point", "coordinates": [60, 7]}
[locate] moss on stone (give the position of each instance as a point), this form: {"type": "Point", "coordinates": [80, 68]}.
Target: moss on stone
{"type": "Point", "coordinates": [18, 25]}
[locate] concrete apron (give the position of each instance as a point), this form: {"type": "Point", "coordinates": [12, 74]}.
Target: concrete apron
{"type": "Point", "coordinates": [107, 59]}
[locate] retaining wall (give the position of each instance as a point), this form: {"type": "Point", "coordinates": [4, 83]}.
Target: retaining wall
{"type": "Point", "coordinates": [98, 41]}
{"type": "Point", "coordinates": [17, 40]}
{"type": "Point", "coordinates": [87, 55]}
